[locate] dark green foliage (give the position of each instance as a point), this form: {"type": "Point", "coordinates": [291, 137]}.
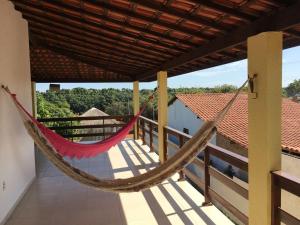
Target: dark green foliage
{"type": "Point", "coordinates": [293, 88]}
{"type": "Point", "coordinates": [70, 102]}
{"type": "Point", "coordinates": [50, 105]}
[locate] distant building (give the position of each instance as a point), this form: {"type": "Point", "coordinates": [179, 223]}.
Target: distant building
{"type": "Point", "coordinates": [296, 98]}
{"type": "Point", "coordinates": [107, 131]}
{"type": "Point", "coordinates": [54, 87]}
{"type": "Point", "coordinates": [187, 112]}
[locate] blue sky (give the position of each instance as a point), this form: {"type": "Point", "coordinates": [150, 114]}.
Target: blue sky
{"type": "Point", "coordinates": [232, 73]}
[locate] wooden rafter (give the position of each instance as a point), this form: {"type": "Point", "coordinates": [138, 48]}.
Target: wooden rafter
{"type": "Point", "coordinates": [132, 40]}
{"type": "Point", "coordinates": [281, 20]}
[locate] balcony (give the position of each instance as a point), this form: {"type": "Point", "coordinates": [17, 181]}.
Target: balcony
{"type": "Point", "coordinates": [200, 194]}
{"type": "Point", "coordinates": [143, 41]}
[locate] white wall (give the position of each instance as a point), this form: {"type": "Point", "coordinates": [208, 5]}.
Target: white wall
{"type": "Point", "coordinates": [17, 167]}
{"type": "Point", "coordinates": [180, 117]}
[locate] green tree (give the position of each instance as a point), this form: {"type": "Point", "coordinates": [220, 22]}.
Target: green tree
{"type": "Point", "coordinates": [293, 88]}
{"type": "Point", "coordinates": [51, 105]}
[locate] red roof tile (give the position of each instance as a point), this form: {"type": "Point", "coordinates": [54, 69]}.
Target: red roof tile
{"type": "Point", "coordinates": [235, 124]}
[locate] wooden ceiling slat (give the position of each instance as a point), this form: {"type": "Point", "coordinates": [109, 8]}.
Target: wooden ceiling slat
{"type": "Point", "coordinates": [79, 56]}
{"type": "Point", "coordinates": [107, 59]}
{"type": "Point", "coordinates": [180, 14]}
{"type": "Point", "coordinates": [70, 19]}
{"type": "Point", "coordinates": [224, 9]}
{"type": "Point", "coordinates": [147, 19]}
{"type": "Point", "coordinates": [50, 24]}
{"type": "Point", "coordinates": [44, 78]}
{"type": "Point", "coordinates": [129, 40]}
{"type": "Point", "coordinates": [83, 52]}
{"type": "Point", "coordinates": [100, 47]}
{"type": "Point", "coordinates": [281, 20]}
{"type": "Point", "coordinates": [106, 18]}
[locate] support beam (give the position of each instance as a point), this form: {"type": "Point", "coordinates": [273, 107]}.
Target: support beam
{"type": "Point", "coordinates": [279, 21]}
{"type": "Point", "coordinates": [136, 105]}
{"type": "Point", "coordinates": [34, 100]}
{"type": "Point", "coordinates": [264, 60]}
{"type": "Point", "coordinates": [162, 113]}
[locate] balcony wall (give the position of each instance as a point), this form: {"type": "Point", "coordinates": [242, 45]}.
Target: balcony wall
{"type": "Point", "coordinates": [16, 148]}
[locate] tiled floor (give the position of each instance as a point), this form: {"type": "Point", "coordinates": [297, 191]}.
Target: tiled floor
{"type": "Point", "coordinates": [55, 199]}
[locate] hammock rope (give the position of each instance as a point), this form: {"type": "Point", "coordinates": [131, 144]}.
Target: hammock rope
{"type": "Point", "coordinates": [188, 152]}
{"type": "Point", "coordinates": [81, 150]}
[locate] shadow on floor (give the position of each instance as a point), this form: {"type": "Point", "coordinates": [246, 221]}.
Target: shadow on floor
{"type": "Point", "coordinates": [55, 199]}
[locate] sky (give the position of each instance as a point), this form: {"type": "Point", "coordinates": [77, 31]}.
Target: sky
{"type": "Point", "coordinates": [232, 73]}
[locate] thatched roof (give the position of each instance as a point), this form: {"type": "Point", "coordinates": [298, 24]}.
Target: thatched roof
{"type": "Point", "coordinates": [96, 112]}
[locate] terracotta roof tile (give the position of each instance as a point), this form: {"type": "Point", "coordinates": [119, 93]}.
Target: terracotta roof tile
{"type": "Point", "coordinates": [235, 124]}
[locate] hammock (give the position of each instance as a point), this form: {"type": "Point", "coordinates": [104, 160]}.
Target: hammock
{"type": "Point", "coordinates": [177, 162]}
{"type": "Point", "coordinates": [79, 150]}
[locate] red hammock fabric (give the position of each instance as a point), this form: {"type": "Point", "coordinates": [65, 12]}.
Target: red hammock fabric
{"type": "Point", "coordinates": [78, 150]}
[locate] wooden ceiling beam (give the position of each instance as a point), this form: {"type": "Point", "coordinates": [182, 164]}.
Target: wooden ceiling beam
{"type": "Point", "coordinates": [130, 66]}
{"type": "Point", "coordinates": [74, 56]}
{"type": "Point", "coordinates": [97, 58]}
{"type": "Point", "coordinates": [180, 14]}
{"type": "Point", "coordinates": [50, 78]}
{"type": "Point", "coordinates": [101, 48]}
{"type": "Point", "coordinates": [293, 33]}
{"type": "Point", "coordinates": [104, 48]}
{"type": "Point", "coordinates": [281, 20]}
{"type": "Point", "coordinates": [108, 46]}
{"type": "Point", "coordinates": [224, 9]}
{"type": "Point", "coordinates": [73, 20]}
{"type": "Point", "coordinates": [92, 59]}
{"type": "Point", "coordinates": [135, 15]}
{"type": "Point", "coordinates": [94, 37]}
{"type": "Point", "coordinates": [65, 6]}
{"type": "Point", "coordinates": [92, 54]}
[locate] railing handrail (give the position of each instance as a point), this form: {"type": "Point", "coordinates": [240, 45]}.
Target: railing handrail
{"type": "Point", "coordinates": [280, 179]}
{"type": "Point", "coordinates": [148, 120]}
{"type": "Point", "coordinates": [228, 156]}
{"type": "Point", "coordinates": [209, 194]}
{"type": "Point", "coordinates": [177, 132]}
{"type": "Point", "coordinates": [75, 127]}
{"type": "Point", "coordinates": [78, 118]}
{"type": "Point", "coordinates": [99, 129]}
{"type": "Point", "coordinates": [287, 182]}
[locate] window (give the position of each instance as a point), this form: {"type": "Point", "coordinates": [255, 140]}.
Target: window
{"type": "Point", "coordinates": [185, 130]}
